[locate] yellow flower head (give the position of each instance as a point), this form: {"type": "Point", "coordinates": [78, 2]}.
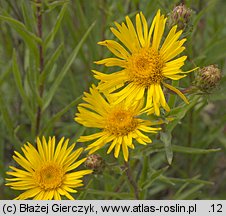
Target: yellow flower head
{"type": "Point", "coordinates": [145, 62]}
{"type": "Point", "coordinates": [47, 171]}
{"type": "Point", "coordinates": [119, 123]}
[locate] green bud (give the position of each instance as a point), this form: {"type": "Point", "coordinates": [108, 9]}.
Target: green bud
{"type": "Point", "coordinates": [95, 162]}
{"type": "Point", "coordinates": [180, 16]}
{"type": "Point", "coordinates": [208, 78]}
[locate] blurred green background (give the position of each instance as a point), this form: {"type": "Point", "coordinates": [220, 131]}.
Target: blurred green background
{"type": "Point", "coordinates": [70, 32]}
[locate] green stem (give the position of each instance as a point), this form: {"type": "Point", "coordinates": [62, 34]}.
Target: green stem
{"type": "Point", "coordinates": [41, 62]}
{"type": "Point", "coordinates": [131, 180]}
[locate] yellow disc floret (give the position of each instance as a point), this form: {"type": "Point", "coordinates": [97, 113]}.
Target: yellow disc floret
{"type": "Point", "coordinates": [145, 67]}
{"type": "Point", "coordinates": [121, 122]}
{"type": "Point", "coordinates": [49, 176]}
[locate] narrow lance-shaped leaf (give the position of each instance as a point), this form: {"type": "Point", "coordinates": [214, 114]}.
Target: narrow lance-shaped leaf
{"type": "Point", "coordinates": [193, 180]}
{"type": "Point", "coordinates": [60, 113]}
{"type": "Point", "coordinates": [111, 194]}
{"type": "Point", "coordinates": [56, 27]}
{"type": "Point", "coordinates": [29, 38]}
{"type": "Point", "coordinates": [29, 18]}
{"type": "Point", "coordinates": [8, 122]}
{"type": "Point", "coordinates": [51, 5]}
{"type": "Point", "coordinates": [19, 84]}
{"type": "Point", "coordinates": [1, 163]}
{"type": "Point", "coordinates": [154, 176]}
{"type": "Point", "coordinates": [188, 194]}
{"type": "Point", "coordinates": [5, 114]}
{"type": "Point", "coordinates": [166, 138]}
{"type": "Point", "coordinates": [179, 112]}
{"type": "Point", "coordinates": [5, 73]}
{"type": "Point", "coordinates": [63, 72]}
{"type": "Point", "coordinates": [189, 150]}
{"type": "Point", "coordinates": [50, 63]}
{"type": "Point", "coordinates": [21, 29]}
{"type": "Point", "coordinates": [145, 169]}
{"type": "Point", "coordinates": [173, 97]}
{"type": "Point", "coordinates": [31, 66]}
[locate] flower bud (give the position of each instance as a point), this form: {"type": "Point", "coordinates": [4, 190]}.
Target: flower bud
{"type": "Point", "coordinates": [180, 16]}
{"type": "Point", "coordinates": [208, 78]}
{"type": "Point", "coordinates": [95, 162]}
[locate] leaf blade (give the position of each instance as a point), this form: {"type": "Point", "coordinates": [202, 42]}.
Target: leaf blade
{"type": "Point", "coordinates": [58, 80]}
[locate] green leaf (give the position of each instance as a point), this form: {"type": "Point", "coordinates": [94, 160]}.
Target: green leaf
{"type": "Point", "coordinates": [222, 140]}
{"type": "Point", "coordinates": [31, 66]}
{"type": "Point", "coordinates": [173, 97]}
{"type": "Point", "coordinates": [63, 72]}
{"type": "Point", "coordinates": [154, 176]}
{"type": "Point", "coordinates": [216, 52]}
{"type": "Point", "coordinates": [179, 112]}
{"type": "Point", "coordinates": [166, 138]}
{"type": "Point", "coordinates": [145, 169]}
{"type": "Point", "coordinates": [200, 15]}
{"type": "Point", "coordinates": [187, 194]}
{"type": "Point", "coordinates": [115, 195]}
{"type": "Point", "coordinates": [6, 115]}
{"type": "Point", "coordinates": [28, 16]}
{"type": "Point", "coordinates": [60, 113]}
{"type": "Point", "coordinates": [51, 35]}
{"type": "Point", "coordinates": [83, 193]}
{"type": "Point", "coordinates": [50, 63]}
{"type": "Point", "coordinates": [193, 180]}
{"type": "Point", "coordinates": [28, 37]}
{"type": "Point", "coordinates": [189, 150]}
{"type": "Point", "coordinates": [20, 87]}
{"type": "Point", "coordinates": [5, 73]}
{"type": "Point", "coordinates": [1, 164]}
{"type": "Point", "coordinates": [8, 122]}
{"type": "Point", "coordinates": [21, 29]}
{"type": "Point", "coordinates": [79, 132]}
{"type": "Point", "coordinates": [55, 3]}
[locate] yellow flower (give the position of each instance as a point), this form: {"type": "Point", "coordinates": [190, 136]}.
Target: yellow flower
{"type": "Point", "coordinates": [146, 62]}
{"type": "Point", "coordinates": [47, 171]}
{"type": "Point", "coordinates": [118, 123]}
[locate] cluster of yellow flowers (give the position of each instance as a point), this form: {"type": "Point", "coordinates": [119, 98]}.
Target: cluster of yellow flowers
{"type": "Point", "coordinates": [114, 106]}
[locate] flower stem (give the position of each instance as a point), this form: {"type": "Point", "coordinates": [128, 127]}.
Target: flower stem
{"type": "Point", "coordinates": [131, 180]}
{"type": "Point", "coordinates": [41, 61]}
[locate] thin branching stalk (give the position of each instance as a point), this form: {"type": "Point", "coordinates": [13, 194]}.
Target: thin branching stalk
{"type": "Point", "coordinates": [41, 61]}
{"type": "Point", "coordinates": [121, 182]}
{"type": "Point", "coordinates": [131, 180]}
{"type": "Point", "coordinates": [190, 137]}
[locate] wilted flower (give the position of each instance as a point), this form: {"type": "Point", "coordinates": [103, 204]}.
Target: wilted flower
{"type": "Point", "coordinates": [208, 78]}
{"type": "Point", "coordinates": [95, 162]}
{"type": "Point", "coordinates": [180, 16]}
